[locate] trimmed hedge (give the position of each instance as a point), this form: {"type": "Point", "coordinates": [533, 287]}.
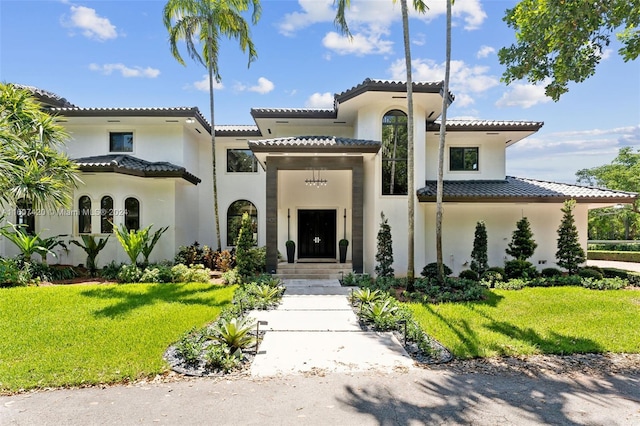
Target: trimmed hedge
{"type": "Point", "coordinates": [621, 256]}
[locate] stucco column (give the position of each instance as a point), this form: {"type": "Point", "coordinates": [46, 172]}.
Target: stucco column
{"type": "Point", "coordinates": [272, 218]}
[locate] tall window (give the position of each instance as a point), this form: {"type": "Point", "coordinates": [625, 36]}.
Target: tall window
{"type": "Point", "coordinates": [394, 153]}
{"type": "Point", "coordinates": [463, 159]}
{"type": "Point", "coordinates": [132, 214]}
{"type": "Point", "coordinates": [241, 161]}
{"type": "Point", "coordinates": [234, 220]}
{"type": "Point", "coordinates": [25, 216]}
{"type": "Point", "coordinates": [106, 215]}
{"type": "Point", "coordinates": [84, 215]}
{"type": "Point", "coordinates": [121, 141]}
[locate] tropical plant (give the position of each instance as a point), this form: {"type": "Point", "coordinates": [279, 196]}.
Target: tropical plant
{"type": "Point", "coordinates": [570, 254]}
{"type": "Point", "coordinates": [201, 24]}
{"type": "Point", "coordinates": [92, 248]}
{"type": "Point", "coordinates": [522, 244]}
{"type": "Point", "coordinates": [129, 273]}
{"type": "Point", "coordinates": [381, 313]}
{"type": "Point", "coordinates": [132, 241]}
{"type": "Point", "coordinates": [365, 295]}
{"type": "Point", "coordinates": [220, 357]}
{"type": "Point", "coordinates": [479, 259]}
{"type": "Point", "coordinates": [341, 22]}
{"type": "Point", "coordinates": [29, 244]}
{"type": "Point", "coordinates": [34, 169]}
{"type": "Point", "coordinates": [150, 242]}
{"type": "Point", "coordinates": [384, 255]}
{"type": "Point", "coordinates": [234, 332]}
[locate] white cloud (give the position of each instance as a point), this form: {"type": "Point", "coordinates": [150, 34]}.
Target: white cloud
{"type": "Point", "coordinates": [359, 44]}
{"type": "Point", "coordinates": [125, 71]}
{"type": "Point", "coordinates": [264, 86]}
{"type": "Point", "coordinates": [465, 80]}
{"type": "Point", "coordinates": [313, 11]}
{"type": "Point", "coordinates": [523, 96]}
{"type": "Point", "coordinates": [485, 51]}
{"type": "Point", "coordinates": [91, 25]}
{"type": "Point", "coordinates": [203, 85]}
{"type": "Point", "coordinates": [470, 11]}
{"type": "Point", "coordinates": [320, 100]}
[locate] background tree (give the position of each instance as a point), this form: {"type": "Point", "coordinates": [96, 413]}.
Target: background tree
{"type": "Point", "coordinates": [570, 254]}
{"type": "Point", "coordinates": [479, 259]}
{"type": "Point", "coordinates": [34, 170]}
{"type": "Point", "coordinates": [201, 23]}
{"type": "Point", "coordinates": [564, 40]}
{"type": "Point", "coordinates": [522, 244]}
{"type": "Point", "coordinates": [384, 255]}
{"type": "Point", "coordinates": [341, 22]}
{"type": "Point", "coordinates": [623, 174]}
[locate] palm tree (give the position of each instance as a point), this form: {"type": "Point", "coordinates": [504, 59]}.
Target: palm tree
{"type": "Point", "coordinates": [34, 170]}
{"type": "Point", "coordinates": [204, 22]}
{"type": "Point", "coordinates": [443, 128]}
{"type": "Point", "coordinates": [341, 23]}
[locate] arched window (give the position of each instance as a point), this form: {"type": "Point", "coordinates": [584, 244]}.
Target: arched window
{"type": "Point", "coordinates": [106, 215]}
{"type": "Point", "coordinates": [25, 216]}
{"type": "Point", "coordinates": [234, 220]}
{"type": "Point", "coordinates": [84, 215]}
{"type": "Point", "coordinates": [394, 153]}
{"type": "Point", "coordinates": [132, 214]}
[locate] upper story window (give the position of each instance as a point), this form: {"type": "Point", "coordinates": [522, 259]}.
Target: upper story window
{"type": "Point", "coordinates": [463, 159]}
{"type": "Point", "coordinates": [121, 141]}
{"type": "Point", "coordinates": [394, 153]}
{"type": "Point", "coordinates": [84, 215]}
{"type": "Point", "coordinates": [132, 214]}
{"type": "Point", "coordinates": [241, 161]}
{"type": "Point", "coordinates": [26, 217]}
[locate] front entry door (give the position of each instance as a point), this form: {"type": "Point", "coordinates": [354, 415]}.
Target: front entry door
{"type": "Point", "coordinates": [317, 234]}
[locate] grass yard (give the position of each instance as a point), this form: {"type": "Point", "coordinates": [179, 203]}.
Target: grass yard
{"type": "Point", "coordinates": [88, 334]}
{"type": "Point", "coordinates": [558, 320]}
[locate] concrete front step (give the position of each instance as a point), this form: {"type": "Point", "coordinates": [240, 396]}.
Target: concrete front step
{"type": "Point", "coordinates": [315, 271]}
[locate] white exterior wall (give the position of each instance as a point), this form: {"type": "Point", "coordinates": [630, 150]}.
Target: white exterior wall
{"type": "Point", "coordinates": [459, 222]}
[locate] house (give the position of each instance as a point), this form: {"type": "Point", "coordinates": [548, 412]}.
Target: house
{"type": "Point", "coordinates": [314, 176]}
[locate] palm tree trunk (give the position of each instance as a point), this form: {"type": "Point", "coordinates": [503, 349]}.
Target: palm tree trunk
{"type": "Point", "coordinates": [443, 128]}
{"type": "Point", "coordinates": [213, 149]}
{"type": "Point", "coordinates": [410, 185]}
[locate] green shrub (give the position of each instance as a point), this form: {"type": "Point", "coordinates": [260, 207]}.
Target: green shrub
{"type": "Point", "coordinates": [453, 290]}
{"type": "Point", "coordinates": [614, 247]}
{"type": "Point", "coordinates": [518, 268]}
{"type": "Point", "coordinates": [129, 274]}
{"type": "Point", "coordinates": [384, 253]}
{"type": "Point", "coordinates": [231, 277]}
{"type": "Point", "coordinates": [621, 256]}
{"type": "Point", "coordinates": [567, 280]}
{"type": "Point", "coordinates": [189, 347]}
{"type": "Point", "coordinates": [220, 358]}
{"type": "Point", "coordinates": [512, 284]}
{"type": "Point", "coordinates": [468, 274]}
{"type": "Point", "coordinates": [551, 272]}
{"type": "Point", "coordinates": [490, 278]}
{"type": "Point", "coordinates": [151, 275]}
{"type": "Point", "coordinates": [234, 332]}
{"type": "Point", "coordinates": [590, 273]}
{"type": "Point", "coordinates": [198, 274]}
{"type": "Point", "coordinates": [360, 280]}
{"type": "Point", "coordinates": [497, 269]}
{"type": "Point", "coordinates": [479, 257]}
{"type": "Point", "coordinates": [243, 245]}
{"type": "Point", "coordinates": [431, 270]}
{"type": "Point", "coordinates": [382, 313]}
{"type": "Point", "coordinates": [604, 283]}
{"type": "Point", "coordinates": [12, 275]}
{"type": "Point", "coordinates": [111, 270]}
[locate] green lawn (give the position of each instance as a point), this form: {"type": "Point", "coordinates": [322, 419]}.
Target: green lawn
{"type": "Point", "coordinates": [559, 320]}
{"type": "Point", "coordinates": [87, 334]}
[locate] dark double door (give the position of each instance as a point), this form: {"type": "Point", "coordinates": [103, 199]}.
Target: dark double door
{"type": "Point", "coordinates": [317, 234]}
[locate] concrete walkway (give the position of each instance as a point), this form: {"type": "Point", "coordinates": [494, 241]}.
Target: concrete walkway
{"type": "Point", "coordinates": [627, 266]}
{"type": "Point", "coordinates": [315, 329]}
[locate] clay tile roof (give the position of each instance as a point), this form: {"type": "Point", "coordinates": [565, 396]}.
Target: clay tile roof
{"type": "Point", "coordinates": [237, 130]}
{"type": "Point", "coordinates": [46, 97]}
{"type": "Point", "coordinates": [129, 165]}
{"type": "Point", "coordinates": [321, 143]}
{"type": "Point", "coordinates": [293, 113]}
{"type": "Point", "coordinates": [487, 125]}
{"type": "Point", "coordinates": [514, 189]}
{"type": "Point", "coordinates": [373, 85]}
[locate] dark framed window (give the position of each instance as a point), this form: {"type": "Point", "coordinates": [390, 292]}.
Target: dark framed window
{"type": "Point", "coordinates": [241, 161]}
{"type": "Point", "coordinates": [106, 215]}
{"type": "Point", "coordinates": [84, 215]}
{"type": "Point", "coordinates": [234, 220]}
{"type": "Point", "coordinates": [394, 153]}
{"type": "Point", "coordinates": [26, 217]}
{"type": "Point", "coordinates": [463, 159]}
{"type": "Point", "coordinates": [121, 141]}
{"type": "Point", "coordinates": [132, 214]}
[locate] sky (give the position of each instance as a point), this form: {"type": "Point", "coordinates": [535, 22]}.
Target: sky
{"type": "Point", "coordinates": [116, 54]}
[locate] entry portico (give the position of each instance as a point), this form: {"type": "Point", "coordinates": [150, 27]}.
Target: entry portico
{"type": "Point", "coordinates": [291, 165]}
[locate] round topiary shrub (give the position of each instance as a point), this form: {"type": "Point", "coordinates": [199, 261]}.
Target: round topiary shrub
{"type": "Point", "coordinates": [519, 269]}
{"type": "Point", "coordinates": [468, 274]}
{"type": "Point", "coordinates": [551, 272]}
{"type": "Point", "coordinates": [497, 269]}
{"type": "Point", "coordinates": [431, 270]}
{"type": "Point", "coordinates": [590, 273]}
